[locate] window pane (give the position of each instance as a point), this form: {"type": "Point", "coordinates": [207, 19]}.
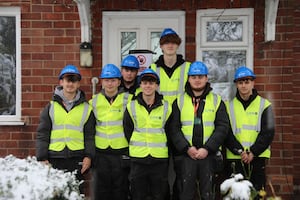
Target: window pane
{"type": "Point", "coordinates": [224, 31]}
{"type": "Point", "coordinates": [128, 42]}
{"type": "Point", "coordinates": [221, 67]}
{"type": "Point", "coordinates": [155, 47]}
{"type": "Point", "coordinates": [7, 65]}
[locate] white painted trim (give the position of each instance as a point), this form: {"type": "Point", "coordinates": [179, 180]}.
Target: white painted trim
{"type": "Point", "coordinates": [15, 119]}
{"type": "Point", "coordinates": [226, 14]}
{"type": "Point", "coordinates": [85, 19]}
{"type": "Point", "coordinates": [271, 7]}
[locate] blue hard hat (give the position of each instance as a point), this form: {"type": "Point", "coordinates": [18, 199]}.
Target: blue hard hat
{"type": "Point", "coordinates": [197, 68]}
{"type": "Point", "coordinates": [243, 72]}
{"type": "Point", "coordinates": [167, 31]}
{"type": "Point", "coordinates": [149, 72]}
{"type": "Point", "coordinates": [110, 71]}
{"type": "Point", "coordinates": [131, 62]}
{"type": "Point", "coordinates": [69, 69]}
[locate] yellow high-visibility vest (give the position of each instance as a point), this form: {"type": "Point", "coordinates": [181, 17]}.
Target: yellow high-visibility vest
{"type": "Point", "coordinates": [246, 124]}
{"type": "Point", "coordinates": [171, 87]}
{"type": "Point", "coordinates": [212, 103]}
{"type": "Point", "coordinates": [109, 121]}
{"type": "Point", "coordinates": [67, 127]}
{"type": "Point", "coordinates": [148, 137]}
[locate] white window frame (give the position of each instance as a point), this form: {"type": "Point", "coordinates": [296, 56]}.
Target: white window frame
{"type": "Point", "coordinates": [244, 43]}
{"type": "Point", "coordinates": [121, 17]}
{"type": "Point", "coordinates": [14, 119]}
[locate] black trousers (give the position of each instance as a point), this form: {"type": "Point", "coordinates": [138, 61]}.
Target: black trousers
{"type": "Point", "coordinates": [149, 180]}
{"type": "Point", "coordinates": [194, 178]}
{"type": "Point", "coordinates": [256, 170]}
{"type": "Point", "coordinates": [110, 176]}
{"type": "Point", "coordinates": [69, 165]}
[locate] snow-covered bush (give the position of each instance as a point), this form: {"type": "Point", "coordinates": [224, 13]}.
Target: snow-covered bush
{"type": "Point", "coordinates": [28, 179]}
{"type": "Point", "coordinates": [237, 188]}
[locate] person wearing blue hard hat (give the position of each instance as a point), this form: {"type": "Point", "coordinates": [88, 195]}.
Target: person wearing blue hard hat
{"type": "Point", "coordinates": [200, 117]}
{"type": "Point", "coordinates": [242, 73]}
{"type": "Point", "coordinates": [251, 132]}
{"type": "Point", "coordinates": [129, 70]}
{"type": "Point", "coordinates": [69, 69]}
{"type": "Point", "coordinates": [65, 134]}
{"type": "Point", "coordinates": [145, 121]}
{"type": "Point", "coordinates": [170, 67]}
{"type": "Point", "coordinates": [111, 160]}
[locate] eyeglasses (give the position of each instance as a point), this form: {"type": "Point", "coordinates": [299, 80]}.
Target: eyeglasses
{"type": "Point", "coordinates": [244, 80]}
{"type": "Point", "coordinates": [71, 78]}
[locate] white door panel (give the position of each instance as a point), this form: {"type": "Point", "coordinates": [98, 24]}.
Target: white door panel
{"type": "Point", "coordinates": [124, 31]}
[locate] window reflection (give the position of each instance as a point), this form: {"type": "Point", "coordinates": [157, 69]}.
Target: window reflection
{"type": "Point", "coordinates": [155, 47]}
{"type": "Point", "coordinates": [128, 42]}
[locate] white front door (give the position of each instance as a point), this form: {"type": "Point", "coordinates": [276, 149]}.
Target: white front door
{"type": "Point", "coordinates": [124, 31]}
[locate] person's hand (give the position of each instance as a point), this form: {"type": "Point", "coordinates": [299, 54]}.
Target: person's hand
{"type": "Point", "coordinates": [86, 164]}
{"type": "Point", "coordinates": [192, 152]}
{"type": "Point", "coordinates": [201, 153]}
{"type": "Point", "coordinates": [250, 157]}
{"type": "Point", "coordinates": [244, 156]}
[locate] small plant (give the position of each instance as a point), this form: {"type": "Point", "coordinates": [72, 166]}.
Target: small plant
{"type": "Point", "coordinates": [28, 179]}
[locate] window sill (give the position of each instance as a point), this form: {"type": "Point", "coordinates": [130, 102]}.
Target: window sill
{"type": "Point", "coordinates": [12, 123]}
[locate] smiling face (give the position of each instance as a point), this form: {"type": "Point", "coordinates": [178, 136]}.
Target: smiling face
{"type": "Point", "coordinates": [148, 85]}
{"type": "Point", "coordinates": [70, 83]}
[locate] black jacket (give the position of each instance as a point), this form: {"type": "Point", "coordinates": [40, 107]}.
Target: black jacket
{"type": "Point", "coordinates": [132, 89]}
{"type": "Point", "coordinates": [265, 136]}
{"type": "Point", "coordinates": [169, 70]}
{"type": "Point", "coordinates": [129, 125]}
{"type": "Point", "coordinates": [180, 146]}
{"type": "Point", "coordinates": [44, 131]}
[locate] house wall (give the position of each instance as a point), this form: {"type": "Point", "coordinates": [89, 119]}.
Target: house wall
{"type": "Point", "coordinates": [50, 39]}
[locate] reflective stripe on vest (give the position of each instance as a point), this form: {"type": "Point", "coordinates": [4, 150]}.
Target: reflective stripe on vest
{"type": "Point", "coordinates": [109, 121]}
{"type": "Point", "coordinates": [246, 124]}
{"type": "Point", "coordinates": [148, 137]}
{"type": "Point", "coordinates": [212, 103]}
{"type": "Point", "coordinates": [67, 127]}
{"type": "Point", "coordinates": [170, 87]}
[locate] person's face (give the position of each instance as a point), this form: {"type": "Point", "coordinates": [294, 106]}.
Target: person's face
{"type": "Point", "coordinates": [70, 83]}
{"type": "Point", "coordinates": [148, 87]}
{"type": "Point", "coordinates": [245, 86]}
{"type": "Point", "coordinates": [111, 85]}
{"type": "Point", "coordinates": [129, 74]}
{"type": "Point", "coordinates": [169, 48]}
{"type": "Point", "coordinates": [198, 82]}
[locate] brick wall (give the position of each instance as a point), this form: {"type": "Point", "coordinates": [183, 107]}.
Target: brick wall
{"type": "Point", "coordinates": [51, 39]}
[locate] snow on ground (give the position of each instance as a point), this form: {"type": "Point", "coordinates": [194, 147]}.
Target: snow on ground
{"type": "Point", "coordinates": [28, 179]}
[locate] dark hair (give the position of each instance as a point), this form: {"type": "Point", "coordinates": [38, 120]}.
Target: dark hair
{"type": "Point", "coordinates": [149, 78]}
{"type": "Point", "coordinates": [171, 38]}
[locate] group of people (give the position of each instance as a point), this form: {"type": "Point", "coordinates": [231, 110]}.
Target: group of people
{"type": "Point", "coordinates": [139, 128]}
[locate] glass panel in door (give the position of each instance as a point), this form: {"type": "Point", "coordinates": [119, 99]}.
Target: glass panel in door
{"type": "Point", "coordinates": [128, 42]}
